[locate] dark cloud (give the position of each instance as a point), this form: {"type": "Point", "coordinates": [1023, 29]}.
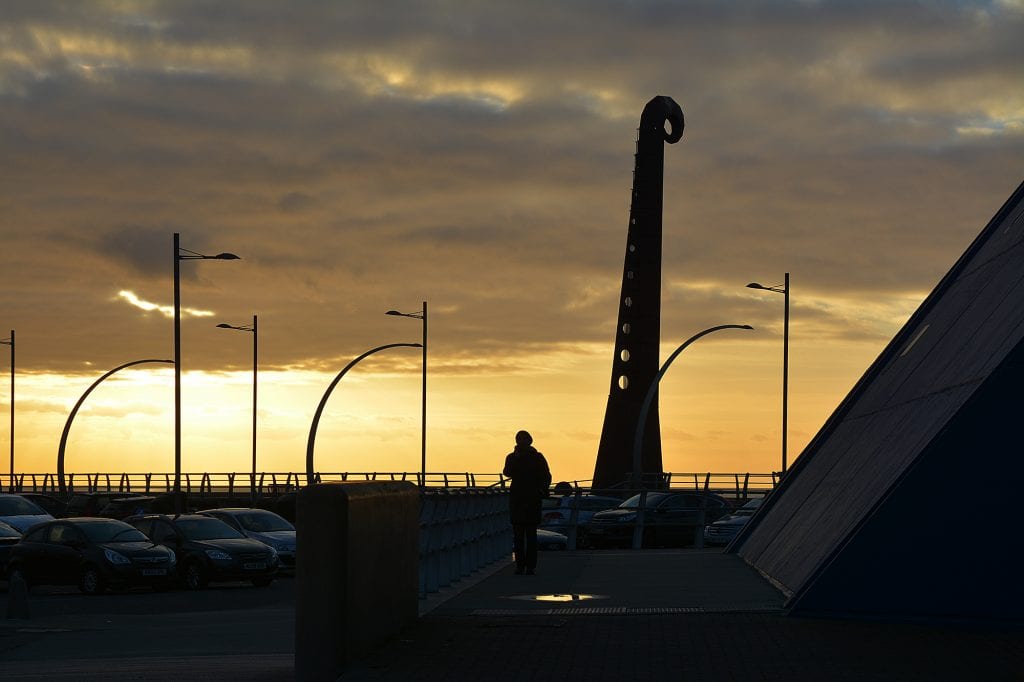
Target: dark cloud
{"type": "Point", "coordinates": [365, 156]}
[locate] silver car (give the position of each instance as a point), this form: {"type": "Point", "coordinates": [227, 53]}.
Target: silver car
{"type": "Point", "coordinates": [18, 512]}
{"type": "Point", "coordinates": [722, 531]}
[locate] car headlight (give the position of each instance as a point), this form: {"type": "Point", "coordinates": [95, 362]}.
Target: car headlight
{"type": "Point", "coordinates": [625, 518]}
{"type": "Point", "coordinates": [116, 558]}
{"type": "Point", "coordinates": [173, 558]}
{"type": "Point", "coordinates": [218, 555]}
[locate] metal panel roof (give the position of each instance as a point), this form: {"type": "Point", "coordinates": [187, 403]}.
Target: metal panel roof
{"type": "Point", "coordinates": [951, 344]}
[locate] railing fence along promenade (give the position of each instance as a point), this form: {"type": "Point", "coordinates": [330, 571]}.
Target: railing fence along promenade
{"type": "Point", "coordinates": [463, 520]}
{"type": "Point", "coordinates": [736, 486]}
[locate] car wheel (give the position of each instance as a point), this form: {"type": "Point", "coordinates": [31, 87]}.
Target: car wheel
{"type": "Point", "coordinates": [262, 582]}
{"type": "Point", "coordinates": [90, 581]}
{"type": "Point", "coordinates": [194, 577]}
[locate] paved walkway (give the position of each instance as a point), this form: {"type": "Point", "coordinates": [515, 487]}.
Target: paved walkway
{"type": "Point", "coordinates": [592, 616]}
{"type": "Point", "coordinates": [670, 615]}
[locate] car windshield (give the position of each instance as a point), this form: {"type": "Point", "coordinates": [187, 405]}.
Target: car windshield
{"type": "Point", "coordinates": [18, 506]}
{"type": "Point", "coordinates": [262, 522]}
{"type": "Point", "coordinates": [652, 501]}
{"type": "Point", "coordinates": [207, 529]}
{"type": "Point", "coordinates": [111, 531]}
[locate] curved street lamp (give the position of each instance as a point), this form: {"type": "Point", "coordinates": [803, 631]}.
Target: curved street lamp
{"type": "Point", "coordinates": [252, 330]}
{"type": "Point", "coordinates": [181, 254]}
{"type": "Point", "coordinates": [421, 315]}
{"type": "Point", "coordinates": [74, 411]}
{"type": "Point", "coordinates": [10, 342]}
{"type": "Point", "coordinates": [784, 290]}
{"type": "Point", "coordinates": [653, 390]}
{"type": "Point", "coordinates": [310, 476]}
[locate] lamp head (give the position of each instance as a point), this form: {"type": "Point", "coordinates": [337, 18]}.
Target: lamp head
{"type": "Point", "coordinates": [755, 285]}
{"type": "Point", "coordinates": [225, 325]}
{"type": "Point", "coordinates": [225, 256]}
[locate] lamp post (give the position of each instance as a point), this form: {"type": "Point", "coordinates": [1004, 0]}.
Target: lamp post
{"type": "Point", "coordinates": [421, 315]}
{"type": "Point", "coordinates": [74, 411]}
{"type": "Point", "coordinates": [10, 342]}
{"type": "Point", "coordinates": [255, 336]}
{"type": "Point", "coordinates": [784, 290]}
{"type": "Point", "coordinates": [310, 476]}
{"type": "Point", "coordinates": [653, 390]}
{"type": "Point", "coordinates": [181, 254]}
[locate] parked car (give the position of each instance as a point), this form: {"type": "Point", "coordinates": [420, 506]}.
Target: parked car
{"type": "Point", "coordinates": [9, 536]}
{"type": "Point", "coordinates": [547, 539]}
{"type": "Point", "coordinates": [122, 507]}
{"type": "Point", "coordinates": [16, 511]}
{"type": "Point", "coordinates": [209, 549]}
{"type": "Point", "coordinates": [92, 553]}
{"type": "Point", "coordinates": [54, 506]}
{"type": "Point", "coordinates": [556, 514]}
{"type": "Point", "coordinates": [262, 525]}
{"type": "Point", "coordinates": [89, 504]}
{"type": "Point", "coordinates": [670, 519]}
{"type": "Point", "coordinates": [722, 531]}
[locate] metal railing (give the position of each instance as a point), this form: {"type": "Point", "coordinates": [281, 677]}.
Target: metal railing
{"type": "Point", "coordinates": [228, 483]}
{"type": "Point", "coordinates": [461, 531]}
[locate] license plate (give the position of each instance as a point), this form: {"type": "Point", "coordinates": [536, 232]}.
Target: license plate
{"type": "Point", "coordinates": [154, 571]}
{"type": "Point", "coordinates": [255, 566]}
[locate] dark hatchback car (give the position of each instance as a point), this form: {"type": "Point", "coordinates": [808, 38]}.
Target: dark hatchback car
{"type": "Point", "coordinates": [209, 549]}
{"type": "Point", "coordinates": [262, 525]}
{"type": "Point", "coordinates": [92, 553]}
{"type": "Point", "coordinates": [89, 504]}
{"type": "Point", "coordinates": [670, 519]}
{"type": "Point", "coordinates": [53, 506]}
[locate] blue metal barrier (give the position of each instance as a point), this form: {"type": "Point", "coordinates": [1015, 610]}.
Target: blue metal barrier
{"type": "Point", "coordinates": [461, 531]}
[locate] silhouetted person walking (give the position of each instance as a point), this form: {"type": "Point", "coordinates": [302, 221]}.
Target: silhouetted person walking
{"type": "Point", "coordinates": [530, 476]}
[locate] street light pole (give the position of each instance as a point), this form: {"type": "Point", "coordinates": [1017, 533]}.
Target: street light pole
{"type": "Point", "coordinates": [784, 290]}
{"type": "Point", "coordinates": [67, 425]}
{"type": "Point", "coordinates": [255, 337]}
{"type": "Point", "coordinates": [421, 315]}
{"type": "Point", "coordinates": [10, 342]}
{"type": "Point", "coordinates": [310, 475]}
{"type": "Point", "coordinates": [181, 254]}
{"type": "Point", "coordinates": [652, 390]}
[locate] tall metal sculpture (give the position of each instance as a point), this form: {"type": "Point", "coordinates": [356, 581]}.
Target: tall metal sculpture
{"type": "Point", "coordinates": [635, 363]}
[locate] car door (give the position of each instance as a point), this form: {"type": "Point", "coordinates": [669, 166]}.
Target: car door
{"type": "Point", "coordinates": [676, 517]}
{"type": "Point", "coordinates": [31, 554]}
{"type": "Point", "coordinates": [164, 533]}
{"type": "Point", "coordinates": [64, 553]}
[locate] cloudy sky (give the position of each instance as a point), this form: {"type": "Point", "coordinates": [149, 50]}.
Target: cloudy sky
{"type": "Point", "coordinates": [364, 156]}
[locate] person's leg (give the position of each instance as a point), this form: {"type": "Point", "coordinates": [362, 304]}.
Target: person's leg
{"type": "Point", "coordinates": [519, 546]}
{"type": "Point", "coordinates": [531, 548]}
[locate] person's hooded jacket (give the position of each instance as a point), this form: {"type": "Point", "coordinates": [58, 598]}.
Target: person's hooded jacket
{"type": "Point", "coordinates": [530, 476]}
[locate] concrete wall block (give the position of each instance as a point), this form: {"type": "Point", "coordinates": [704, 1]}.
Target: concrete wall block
{"type": "Point", "coordinates": [356, 579]}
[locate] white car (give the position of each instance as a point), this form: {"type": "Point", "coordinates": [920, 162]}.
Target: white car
{"type": "Point", "coordinates": [18, 512]}
{"type": "Point", "coordinates": [722, 531]}
{"type": "Point", "coordinates": [547, 539]}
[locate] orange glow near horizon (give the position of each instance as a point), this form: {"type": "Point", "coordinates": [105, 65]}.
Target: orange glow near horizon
{"type": "Point", "coordinates": [720, 412]}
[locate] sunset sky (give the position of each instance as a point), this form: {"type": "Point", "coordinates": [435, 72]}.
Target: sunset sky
{"type": "Point", "coordinates": [367, 156]}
